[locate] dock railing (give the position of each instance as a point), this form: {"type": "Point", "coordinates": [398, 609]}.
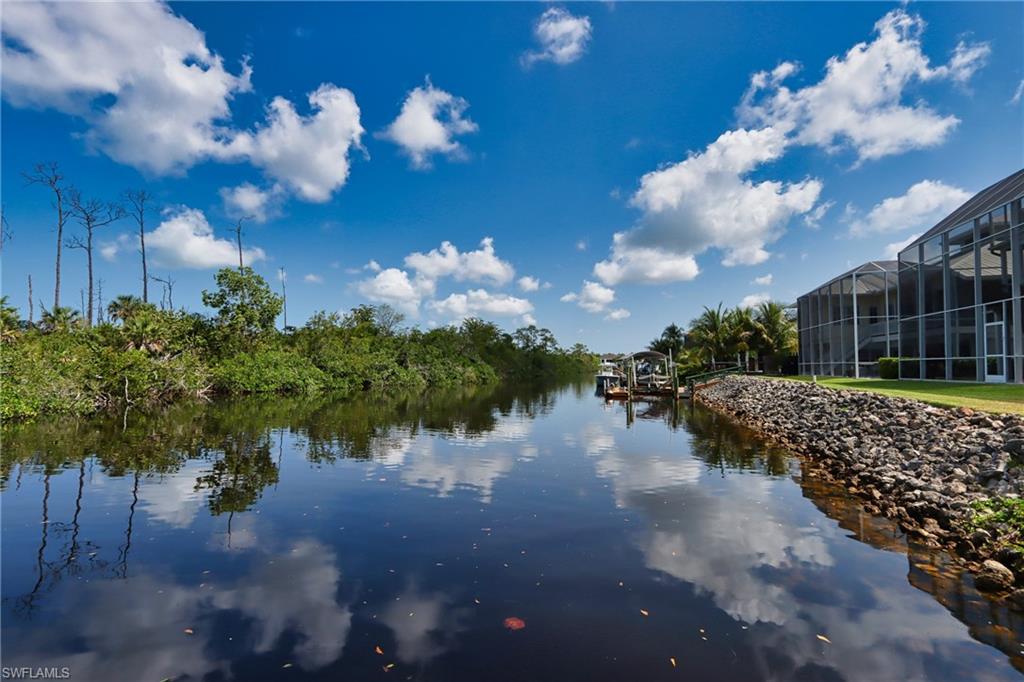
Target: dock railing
{"type": "Point", "coordinates": [691, 380]}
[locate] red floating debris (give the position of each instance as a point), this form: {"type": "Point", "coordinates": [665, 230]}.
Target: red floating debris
{"type": "Point", "coordinates": [513, 623]}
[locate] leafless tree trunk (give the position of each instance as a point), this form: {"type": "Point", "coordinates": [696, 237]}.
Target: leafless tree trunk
{"type": "Point", "coordinates": [137, 200]}
{"type": "Point", "coordinates": [168, 290]}
{"type": "Point", "coordinates": [92, 214]}
{"type": "Point", "coordinates": [237, 229]}
{"type": "Point", "coordinates": [99, 301]}
{"type": "Point", "coordinates": [5, 228]}
{"type": "Point", "coordinates": [49, 175]}
{"type": "Point", "coordinates": [283, 276]}
{"type": "Point", "coordinates": [31, 307]}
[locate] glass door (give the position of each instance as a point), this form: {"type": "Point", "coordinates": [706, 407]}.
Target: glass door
{"type": "Point", "coordinates": [995, 358]}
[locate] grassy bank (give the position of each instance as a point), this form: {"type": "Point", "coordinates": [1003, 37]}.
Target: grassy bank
{"type": "Point", "coordinates": [144, 356]}
{"type": "Point", "coordinates": [1000, 398]}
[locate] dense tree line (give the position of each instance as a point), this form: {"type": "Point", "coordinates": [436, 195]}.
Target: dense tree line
{"type": "Point", "coordinates": [144, 355]}
{"type": "Point", "coordinates": [755, 338]}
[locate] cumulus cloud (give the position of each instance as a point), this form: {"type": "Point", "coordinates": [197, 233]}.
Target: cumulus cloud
{"type": "Point", "coordinates": [562, 38]}
{"type": "Point", "coordinates": [527, 283]}
{"type": "Point", "coordinates": [249, 201]}
{"type": "Point", "coordinates": [157, 98]}
{"type": "Point", "coordinates": [307, 154]}
{"type": "Point", "coordinates": [481, 302]}
{"type": "Point", "coordinates": [168, 93]}
{"type": "Point", "coordinates": [396, 288]}
{"type": "Point", "coordinates": [754, 300]}
{"type": "Point", "coordinates": [763, 281]}
{"type": "Point", "coordinates": [592, 297]}
{"type": "Point", "coordinates": [617, 314]}
{"type": "Point", "coordinates": [313, 278]}
{"type": "Point", "coordinates": [184, 239]}
{"type": "Point", "coordinates": [529, 320]}
{"type": "Point", "coordinates": [428, 124]}
{"type": "Point", "coordinates": [706, 201]}
{"type": "Point", "coordinates": [922, 205]}
{"type": "Point", "coordinates": [891, 251]}
{"type": "Point", "coordinates": [859, 104]}
{"type": "Point", "coordinates": [476, 266]}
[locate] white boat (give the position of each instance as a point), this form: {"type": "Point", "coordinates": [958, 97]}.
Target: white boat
{"type": "Point", "coordinates": [608, 375]}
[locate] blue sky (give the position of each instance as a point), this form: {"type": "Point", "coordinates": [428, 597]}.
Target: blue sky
{"type": "Point", "coordinates": [633, 162]}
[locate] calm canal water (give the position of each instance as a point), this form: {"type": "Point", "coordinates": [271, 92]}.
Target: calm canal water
{"type": "Point", "coordinates": [536, 534]}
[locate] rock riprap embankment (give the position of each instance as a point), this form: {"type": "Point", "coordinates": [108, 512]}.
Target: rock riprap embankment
{"type": "Point", "coordinates": [930, 468]}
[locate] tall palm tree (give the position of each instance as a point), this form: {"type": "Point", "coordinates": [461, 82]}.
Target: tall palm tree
{"type": "Point", "coordinates": [60, 319]}
{"type": "Point", "coordinates": [777, 332]}
{"type": "Point", "coordinates": [710, 334]}
{"type": "Point", "coordinates": [9, 320]}
{"type": "Point", "coordinates": [672, 339]}
{"type": "Point", "coordinates": [744, 334]}
{"type": "Point", "coordinates": [124, 307]}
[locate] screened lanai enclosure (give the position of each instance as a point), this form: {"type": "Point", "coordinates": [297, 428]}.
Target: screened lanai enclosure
{"type": "Point", "coordinates": [847, 324]}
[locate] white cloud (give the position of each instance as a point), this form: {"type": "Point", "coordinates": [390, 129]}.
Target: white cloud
{"type": "Point", "coordinates": [184, 239]}
{"type": "Point", "coordinates": [155, 97]}
{"type": "Point", "coordinates": [169, 93]}
{"type": "Point", "coordinates": [706, 202]}
{"type": "Point", "coordinates": [646, 265]}
{"type": "Point", "coordinates": [813, 219]}
{"type": "Point", "coordinates": [859, 102]}
{"type": "Point", "coordinates": [529, 320]}
{"type": "Point", "coordinates": [428, 124]}
{"type": "Point", "coordinates": [475, 266]}
{"type": "Point", "coordinates": [313, 278]}
{"type": "Point", "coordinates": [924, 204]}
{"type": "Point", "coordinates": [1018, 93]}
{"type": "Point", "coordinates": [593, 297]}
{"type": "Point", "coordinates": [394, 287]}
{"type": "Point", "coordinates": [481, 302]}
{"type": "Point", "coordinates": [562, 37]}
{"type": "Point", "coordinates": [249, 201]}
{"type": "Point", "coordinates": [763, 281]}
{"type": "Point", "coordinates": [581, 245]}
{"type": "Point", "coordinates": [892, 250]}
{"type": "Point", "coordinates": [754, 300]}
{"type": "Point", "coordinates": [617, 314]}
{"type": "Point", "coordinates": [527, 283]}
{"type": "Point", "coordinates": [307, 154]}
{"type": "Point", "coordinates": [112, 249]}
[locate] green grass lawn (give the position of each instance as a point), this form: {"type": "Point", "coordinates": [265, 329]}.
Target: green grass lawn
{"type": "Point", "coordinates": [988, 397]}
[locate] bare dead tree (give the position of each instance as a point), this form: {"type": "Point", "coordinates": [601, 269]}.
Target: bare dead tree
{"type": "Point", "coordinates": [168, 294]}
{"type": "Point", "coordinates": [31, 307]}
{"type": "Point", "coordinates": [136, 200]}
{"type": "Point", "coordinates": [237, 229]}
{"type": "Point", "coordinates": [5, 228]}
{"type": "Point", "coordinates": [283, 276]}
{"type": "Point", "coordinates": [49, 175]}
{"type": "Point", "coordinates": [99, 301]}
{"type": "Point", "coordinates": [92, 214]}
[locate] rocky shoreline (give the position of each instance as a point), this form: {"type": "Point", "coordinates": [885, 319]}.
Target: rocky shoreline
{"type": "Point", "coordinates": [927, 467]}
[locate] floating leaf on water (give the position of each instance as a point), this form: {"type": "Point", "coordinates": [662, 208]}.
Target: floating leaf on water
{"type": "Point", "coordinates": [378, 650]}
{"type": "Point", "coordinates": [389, 666]}
{"type": "Point", "coordinates": [672, 661]}
{"type": "Point", "coordinates": [824, 639]}
{"type": "Point", "coordinates": [644, 612]}
{"type": "Point", "coordinates": [513, 623]}
{"type": "Point", "coordinates": [287, 665]}
{"type": "Point", "coordinates": [476, 601]}
{"type": "Point", "coordinates": [189, 631]}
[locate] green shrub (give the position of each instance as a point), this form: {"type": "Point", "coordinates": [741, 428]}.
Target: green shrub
{"type": "Point", "coordinates": [889, 368]}
{"type": "Point", "coordinates": [267, 371]}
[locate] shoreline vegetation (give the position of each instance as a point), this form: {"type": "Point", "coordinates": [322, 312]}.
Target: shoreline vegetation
{"type": "Point", "coordinates": [139, 355]}
{"type": "Point", "coordinates": [951, 478]}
